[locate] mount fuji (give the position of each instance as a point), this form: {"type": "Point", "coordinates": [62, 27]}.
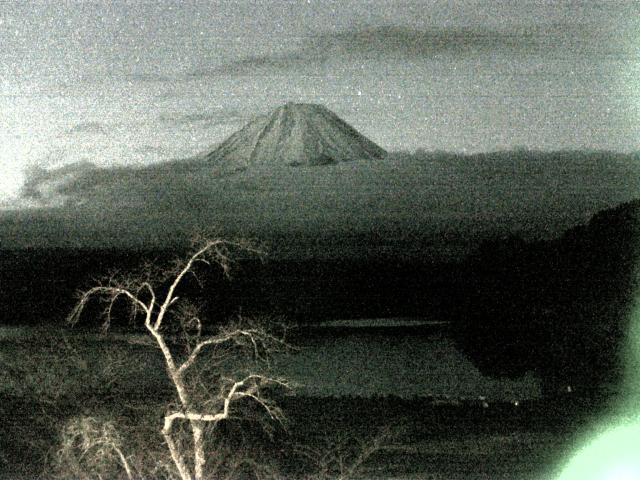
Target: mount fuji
{"type": "Point", "coordinates": [295, 134]}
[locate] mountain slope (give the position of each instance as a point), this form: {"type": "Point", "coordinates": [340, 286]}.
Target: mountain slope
{"type": "Point", "coordinates": [295, 134]}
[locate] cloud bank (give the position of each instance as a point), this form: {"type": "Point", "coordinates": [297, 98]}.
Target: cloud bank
{"type": "Point", "coordinates": [424, 194]}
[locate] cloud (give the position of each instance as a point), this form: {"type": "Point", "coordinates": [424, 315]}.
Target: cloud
{"type": "Point", "coordinates": [152, 150]}
{"type": "Point", "coordinates": [148, 77]}
{"type": "Point", "coordinates": [419, 43]}
{"type": "Point", "coordinates": [98, 128]}
{"type": "Point", "coordinates": [110, 76]}
{"type": "Point", "coordinates": [404, 42]}
{"type": "Point", "coordinates": [44, 188]}
{"type": "Point", "coordinates": [86, 183]}
{"type": "Point", "coordinates": [210, 118]}
{"type": "Point", "coordinates": [262, 64]}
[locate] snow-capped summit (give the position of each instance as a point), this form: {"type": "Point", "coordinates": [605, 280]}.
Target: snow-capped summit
{"type": "Point", "coordinates": [295, 134]}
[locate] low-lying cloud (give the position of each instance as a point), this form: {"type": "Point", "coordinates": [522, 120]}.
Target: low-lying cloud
{"type": "Point", "coordinates": [45, 188]}
{"type": "Point", "coordinates": [530, 193]}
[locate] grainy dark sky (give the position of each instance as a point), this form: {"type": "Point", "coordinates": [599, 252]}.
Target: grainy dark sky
{"type": "Point", "coordinates": [139, 82]}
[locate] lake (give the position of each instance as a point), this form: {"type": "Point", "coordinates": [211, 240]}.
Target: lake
{"type": "Point", "coordinates": [392, 357]}
{"type": "Point", "coordinates": [371, 357]}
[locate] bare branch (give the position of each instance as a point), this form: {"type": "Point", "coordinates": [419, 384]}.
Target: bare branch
{"type": "Point", "coordinates": [112, 293]}
{"type": "Point", "coordinates": [99, 443]}
{"type": "Point", "coordinates": [220, 249]}
{"type": "Point", "coordinates": [260, 341]}
{"type": "Point", "coordinates": [367, 450]}
{"type": "Point", "coordinates": [251, 383]}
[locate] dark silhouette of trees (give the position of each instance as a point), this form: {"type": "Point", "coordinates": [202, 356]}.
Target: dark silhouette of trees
{"type": "Point", "coordinates": [557, 308]}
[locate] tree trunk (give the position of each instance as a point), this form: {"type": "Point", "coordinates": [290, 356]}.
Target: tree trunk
{"type": "Point", "coordinates": [198, 448]}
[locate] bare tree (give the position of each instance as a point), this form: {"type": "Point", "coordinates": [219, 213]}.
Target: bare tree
{"type": "Point", "coordinates": [165, 313]}
{"type": "Point", "coordinates": [342, 457]}
{"type": "Point", "coordinates": [91, 445]}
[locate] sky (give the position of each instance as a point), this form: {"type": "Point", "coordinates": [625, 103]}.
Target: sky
{"type": "Point", "coordinates": [139, 82]}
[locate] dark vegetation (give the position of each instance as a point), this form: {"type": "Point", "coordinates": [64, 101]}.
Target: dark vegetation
{"type": "Point", "coordinates": [38, 285]}
{"type": "Point", "coordinates": [557, 308]}
{"type": "Point", "coordinates": [454, 441]}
